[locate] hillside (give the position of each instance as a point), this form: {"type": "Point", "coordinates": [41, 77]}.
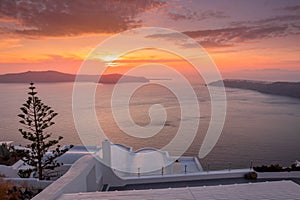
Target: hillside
{"type": "Point", "coordinates": [290, 89]}
{"type": "Point", "coordinates": [54, 77]}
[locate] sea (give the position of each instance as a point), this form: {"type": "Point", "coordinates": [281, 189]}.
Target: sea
{"type": "Point", "coordinates": [259, 129]}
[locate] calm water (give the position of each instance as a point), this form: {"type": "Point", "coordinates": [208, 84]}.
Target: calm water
{"type": "Point", "coordinates": [262, 128]}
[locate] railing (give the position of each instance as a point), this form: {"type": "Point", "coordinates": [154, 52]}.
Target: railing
{"type": "Point", "coordinates": [213, 166]}
{"type": "Point", "coordinates": [207, 167]}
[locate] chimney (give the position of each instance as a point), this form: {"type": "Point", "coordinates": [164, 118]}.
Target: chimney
{"type": "Point", "coordinates": [106, 151]}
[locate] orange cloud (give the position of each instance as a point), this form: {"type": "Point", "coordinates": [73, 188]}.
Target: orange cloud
{"type": "Point", "coordinates": [152, 58]}
{"type": "Point", "coordinates": [57, 63]}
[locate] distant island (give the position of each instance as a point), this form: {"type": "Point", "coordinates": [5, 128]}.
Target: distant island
{"type": "Point", "coordinates": [114, 78]}
{"type": "Point", "coordinates": [289, 89]}
{"type": "Point", "coordinates": [54, 77]}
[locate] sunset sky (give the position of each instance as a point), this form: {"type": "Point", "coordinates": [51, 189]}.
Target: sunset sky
{"type": "Point", "coordinates": [238, 35]}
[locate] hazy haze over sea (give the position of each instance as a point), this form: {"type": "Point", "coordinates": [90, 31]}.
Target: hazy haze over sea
{"type": "Point", "coordinates": [258, 127]}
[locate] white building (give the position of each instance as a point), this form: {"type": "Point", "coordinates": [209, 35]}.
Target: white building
{"type": "Point", "coordinates": [99, 173]}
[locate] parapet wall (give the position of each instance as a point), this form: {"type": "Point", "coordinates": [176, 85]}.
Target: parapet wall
{"type": "Point", "coordinates": [81, 177]}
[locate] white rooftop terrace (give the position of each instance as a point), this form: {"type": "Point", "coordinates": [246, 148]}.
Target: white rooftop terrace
{"type": "Point", "coordinates": [116, 166]}
{"type": "Point", "coordinates": [146, 161]}
{"type": "Point", "coordinates": [280, 190]}
{"type": "Point", "coordinates": [125, 162]}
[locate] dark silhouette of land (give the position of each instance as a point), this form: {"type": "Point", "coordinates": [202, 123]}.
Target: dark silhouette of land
{"type": "Point", "coordinates": [290, 89]}
{"type": "Point", "coordinates": [114, 78]}
{"type": "Point", "coordinates": [54, 77]}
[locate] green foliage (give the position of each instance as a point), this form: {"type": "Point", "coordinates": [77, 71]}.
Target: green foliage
{"type": "Point", "coordinates": [271, 168]}
{"type": "Point", "coordinates": [8, 155]}
{"type": "Point", "coordinates": [36, 117]}
{"type": "Point", "coordinates": [10, 191]}
{"type": "Point", "coordinates": [251, 176]}
{"type": "Point", "coordinates": [276, 168]}
{"type": "Point", "coordinates": [25, 173]}
{"type": "Point", "coordinates": [294, 167]}
{"type": "Point", "coordinates": [4, 152]}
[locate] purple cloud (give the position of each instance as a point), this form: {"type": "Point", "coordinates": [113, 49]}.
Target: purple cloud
{"type": "Point", "coordinates": [71, 17]}
{"type": "Point", "coordinates": [227, 37]}
{"type": "Point", "coordinates": [187, 14]}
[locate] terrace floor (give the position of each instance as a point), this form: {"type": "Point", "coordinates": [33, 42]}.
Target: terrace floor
{"type": "Point", "coordinates": [263, 190]}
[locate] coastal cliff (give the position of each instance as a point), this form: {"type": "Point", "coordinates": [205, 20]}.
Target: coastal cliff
{"type": "Point", "coordinates": [55, 77]}
{"type": "Point", "coordinates": [290, 89]}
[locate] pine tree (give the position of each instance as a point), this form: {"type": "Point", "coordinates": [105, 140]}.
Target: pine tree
{"type": "Point", "coordinates": [36, 117]}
